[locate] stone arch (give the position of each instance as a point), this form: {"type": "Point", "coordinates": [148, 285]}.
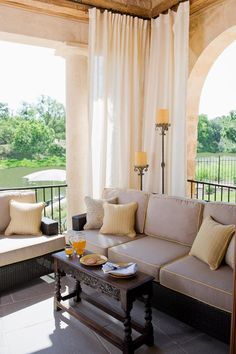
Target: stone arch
{"type": "Point", "coordinates": [197, 77]}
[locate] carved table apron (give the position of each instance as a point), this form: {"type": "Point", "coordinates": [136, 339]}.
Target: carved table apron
{"type": "Point", "coordinates": [124, 290]}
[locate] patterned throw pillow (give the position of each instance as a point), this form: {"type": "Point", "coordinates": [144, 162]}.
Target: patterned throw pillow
{"type": "Point", "coordinates": [25, 218]}
{"type": "Point", "coordinates": [95, 212]}
{"type": "Point", "coordinates": [211, 242]}
{"type": "Point", "coordinates": [119, 219]}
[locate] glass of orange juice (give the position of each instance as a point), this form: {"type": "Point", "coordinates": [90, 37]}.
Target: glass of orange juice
{"type": "Point", "coordinates": [79, 244]}
{"type": "Point", "coordinates": [69, 251]}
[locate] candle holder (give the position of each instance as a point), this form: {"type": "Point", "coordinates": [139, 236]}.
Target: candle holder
{"type": "Point", "coordinates": [141, 170]}
{"type": "Point", "coordinates": [164, 128]}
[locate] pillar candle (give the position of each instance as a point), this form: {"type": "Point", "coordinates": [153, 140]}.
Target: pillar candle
{"type": "Point", "coordinates": [140, 158]}
{"type": "Point", "coordinates": [162, 116]}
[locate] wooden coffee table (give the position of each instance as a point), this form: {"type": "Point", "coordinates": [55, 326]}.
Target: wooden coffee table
{"type": "Point", "coordinates": [124, 290]}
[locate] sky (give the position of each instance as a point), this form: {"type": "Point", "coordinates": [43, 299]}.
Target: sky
{"type": "Point", "coordinates": [219, 91]}
{"type": "Point", "coordinates": [26, 72]}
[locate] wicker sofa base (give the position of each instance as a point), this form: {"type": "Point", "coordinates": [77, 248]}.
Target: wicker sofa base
{"type": "Point", "coordinates": [16, 274]}
{"type": "Point", "coordinates": [208, 319]}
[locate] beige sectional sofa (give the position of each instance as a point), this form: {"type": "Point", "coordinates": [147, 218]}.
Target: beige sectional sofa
{"type": "Point", "coordinates": [23, 257]}
{"type": "Point", "coordinates": [166, 228]}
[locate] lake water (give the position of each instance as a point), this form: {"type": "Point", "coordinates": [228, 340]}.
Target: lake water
{"type": "Point", "coordinates": [13, 177]}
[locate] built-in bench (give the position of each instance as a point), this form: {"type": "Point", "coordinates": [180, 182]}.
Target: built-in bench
{"type": "Point", "coordinates": [25, 257]}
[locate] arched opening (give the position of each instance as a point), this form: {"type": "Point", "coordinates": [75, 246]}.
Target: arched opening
{"type": "Point", "coordinates": [196, 80]}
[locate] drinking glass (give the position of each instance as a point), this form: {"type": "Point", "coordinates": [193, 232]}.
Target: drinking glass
{"type": "Point", "coordinates": [69, 251]}
{"type": "Point", "coordinates": [79, 244]}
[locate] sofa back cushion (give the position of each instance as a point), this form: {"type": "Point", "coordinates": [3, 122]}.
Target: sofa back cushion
{"type": "Point", "coordinates": [128, 196]}
{"type": "Point", "coordinates": [173, 218]}
{"type": "Point", "coordinates": [224, 213]}
{"type": "Point", "coordinates": [5, 197]}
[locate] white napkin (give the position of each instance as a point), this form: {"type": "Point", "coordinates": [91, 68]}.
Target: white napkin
{"type": "Point", "coordinates": [116, 269]}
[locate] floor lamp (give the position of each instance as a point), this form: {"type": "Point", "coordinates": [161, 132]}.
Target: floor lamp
{"type": "Point", "coordinates": [162, 123]}
{"type": "Point", "coordinates": [140, 165]}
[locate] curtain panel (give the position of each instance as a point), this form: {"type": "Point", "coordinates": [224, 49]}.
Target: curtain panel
{"type": "Point", "coordinates": [118, 56]}
{"type": "Point", "coordinates": [135, 67]}
{"type": "Point", "coordinates": [166, 87]}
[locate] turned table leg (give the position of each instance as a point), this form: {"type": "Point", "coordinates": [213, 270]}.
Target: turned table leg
{"type": "Point", "coordinates": [148, 320]}
{"type": "Point", "coordinates": [78, 291]}
{"type": "Point", "coordinates": [57, 294]}
{"type": "Point", "coordinates": [127, 304]}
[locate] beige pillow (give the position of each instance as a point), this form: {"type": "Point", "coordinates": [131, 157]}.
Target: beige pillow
{"type": "Point", "coordinates": [25, 218]}
{"type": "Point", "coordinates": [211, 242]}
{"type": "Point", "coordinates": [229, 256]}
{"type": "Point", "coordinates": [119, 219]}
{"type": "Point", "coordinates": [95, 212]}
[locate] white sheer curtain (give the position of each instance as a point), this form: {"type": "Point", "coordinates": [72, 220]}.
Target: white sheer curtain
{"type": "Point", "coordinates": [118, 53]}
{"type": "Point", "coordinates": [166, 87]}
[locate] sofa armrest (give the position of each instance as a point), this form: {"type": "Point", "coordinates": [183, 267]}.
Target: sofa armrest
{"type": "Point", "coordinates": [49, 227]}
{"type": "Point", "coordinates": [78, 222]}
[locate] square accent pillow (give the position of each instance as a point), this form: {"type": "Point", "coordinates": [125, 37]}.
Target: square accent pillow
{"type": "Point", "coordinates": [229, 256]}
{"type": "Point", "coordinates": [95, 212]}
{"type": "Point", "coordinates": [119, 219]}
{"type": "Point", "coordinates": [25, 218]}
{"type": "Point", "coordinates": [211, 242]}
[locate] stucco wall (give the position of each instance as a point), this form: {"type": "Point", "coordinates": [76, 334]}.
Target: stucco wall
{"type": "Point", "coordinates": [41, 26]}
{"type": "Point", "coordinates": [211, 31]}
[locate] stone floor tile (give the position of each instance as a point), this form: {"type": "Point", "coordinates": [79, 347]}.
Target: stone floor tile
{"type": "Point", "coordinates": [5, 299]}
{"type": "Point", "coordinates": [28, 324]}
{"type": "Point", "coordinates": [205, 344]}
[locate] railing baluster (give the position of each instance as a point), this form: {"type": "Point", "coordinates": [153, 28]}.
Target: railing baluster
{"type": "Point", "coordinates": [51, 202]}
{"type": "Point", "coordinates": [59, 205]}
{"type": "Point", "coordinates": [44, 200]}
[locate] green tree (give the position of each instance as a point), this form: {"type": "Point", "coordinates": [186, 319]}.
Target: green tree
{"type": "Point", "coordinates": [27, 110]}
{"type": "Point", "coordinates": [31, 139]}
{"type": "Point", "coordinates": [53, 114]}
{"type": "Point", "coordinates": [209, 135]}
{"type": "Point", "coordinates": [4, 110]}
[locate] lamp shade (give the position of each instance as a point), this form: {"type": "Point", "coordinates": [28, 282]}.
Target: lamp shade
{"type": "Point", "coordinates": [140, 158]}
{"type": "Point", "coordinates": [162, 116]}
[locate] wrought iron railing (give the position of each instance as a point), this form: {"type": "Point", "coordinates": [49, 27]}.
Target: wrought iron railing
{"type": "Point", "coordinates": [54, 197]}
{"type": "Point", "coordinates": [216, 169]}
{"type": "Point", "coordinates": [212, 191]}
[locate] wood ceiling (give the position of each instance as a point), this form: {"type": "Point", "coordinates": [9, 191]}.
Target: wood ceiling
{"type": "Point", "coordinates": [78, 9]}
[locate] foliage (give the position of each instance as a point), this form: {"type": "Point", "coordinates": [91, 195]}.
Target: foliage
{"type": "Point", "coordinates": [32, 138]}
{"type": "Point", "coordinates": [4, 110]}
{"type": "Point", "coordinates": [34, 131]}
{"type": "Point", "coordinates": [217, 135]}
{"type": "Point", "coordinates": [45, 162]}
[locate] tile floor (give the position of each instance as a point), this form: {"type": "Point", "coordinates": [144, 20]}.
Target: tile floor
{"type": "Point", "coordinates": [29, 325]}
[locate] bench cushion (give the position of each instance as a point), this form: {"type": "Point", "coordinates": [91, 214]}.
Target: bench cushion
{"type": "Point", "coordinates": [128, 196]}
{"type": "Point", "coordinates": [150, 253]}
{"type": "Point", "coordinates": [98, 243]}
{"type": "Point", "coordinates": [17, 248]}
{"type": "Point", "coordinates": [194, 278]}
{"type": "Point", "coordinates": [173, 218]}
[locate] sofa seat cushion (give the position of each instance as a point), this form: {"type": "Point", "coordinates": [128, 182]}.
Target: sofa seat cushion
{"type": "Point", "coordinates": [192, 277]}
{"type": "Point", "coordinates": [150, 254]}
{"type": "Point", "coordinates": [17, 248]}
{"type": "Point", "coordinates": [98, 243]}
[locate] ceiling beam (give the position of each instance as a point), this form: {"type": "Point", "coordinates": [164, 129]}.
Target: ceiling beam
{"type": "Point", "coordinates": [197, 6]}
{"type": "Point", "coordinates": [163, 6]}
{"type": "Point", "coordinates": [135, 8]}
{"type": "Point", "coordinates": [61, 8]}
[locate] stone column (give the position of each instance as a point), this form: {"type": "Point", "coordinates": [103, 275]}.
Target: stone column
{"type": "Point", "coordinates": [76, 126]}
